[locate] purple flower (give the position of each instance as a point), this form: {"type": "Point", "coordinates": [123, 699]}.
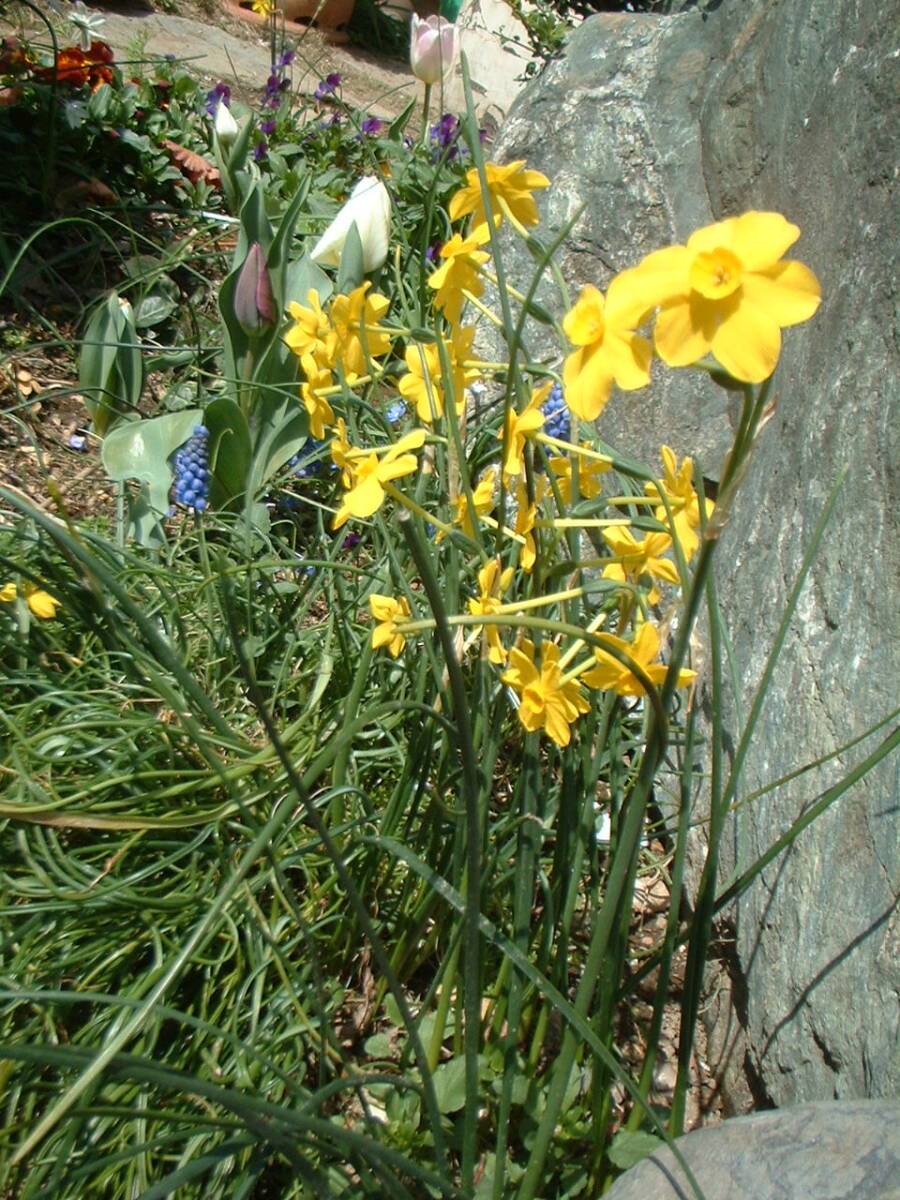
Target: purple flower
{"type": "Point", "coordinates": [260, 150]}
{"type": "Point", "coordinates": [445, 131]}
{"type": "Point", "coordinates": [286, 59]}
{"type": "Point", "coordinates": [351, 540]}
{"type": "Point", "coordinates": [267, 127]}
{"type": "Point", "coordinates": [328, 86]}
{"type": "Point", "coordinates": [221, 94]}
{"type": "Point", "coordinates": [432, 254]}
{"type": "Point", "coordinates": [371, 125]}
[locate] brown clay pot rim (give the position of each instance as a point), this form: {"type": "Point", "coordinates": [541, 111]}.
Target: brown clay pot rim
{"type": "Point", "coordinates": [331, 34]}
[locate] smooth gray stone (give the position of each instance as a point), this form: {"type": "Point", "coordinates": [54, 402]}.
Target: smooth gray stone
{"type": "Point", "coordinates": [656, 125]}
{"type": "Point", "coordinates": [827, 1151]}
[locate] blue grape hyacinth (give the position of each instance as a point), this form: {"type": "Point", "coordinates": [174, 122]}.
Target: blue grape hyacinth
{"type": "Point", "coordinates": [192, 470]}
{"type": "Point", "coordinates": [308, 461]}
{"type": "Point", "coordinates": [557, 423]}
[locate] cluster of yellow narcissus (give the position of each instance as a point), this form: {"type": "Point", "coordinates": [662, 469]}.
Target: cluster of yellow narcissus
{"type": "Point", "coordinates": [41, 603]}
{"type": "Point", "coordinates": [726, 293]}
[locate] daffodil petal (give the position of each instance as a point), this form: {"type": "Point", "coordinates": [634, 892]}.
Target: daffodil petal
{"type": "Point", "coordinates": [628, 359]}
{"type": "Point", "coordinates": [761, 238]}
{"type": "Point", "coordinates": [789, 292]}
{"type": "Point", "coordinates": [711, 236]}
{"type": "Point", "coordinates": [588, 382]}
{"type": "Point", "coordinates": [646, 645]}
{"type": "Point", "coordinates": [680, 338]}
{"type": "Point", "coordinates": [747, 344]}
{"type": "Point", "coordinates": [662, 275]}
{"type": "Point", "coordinates": [557, 726]}
{"type": "Point", "coordinates": [364, 499]}
{"type": "Point", "coordinates": [628, 300]}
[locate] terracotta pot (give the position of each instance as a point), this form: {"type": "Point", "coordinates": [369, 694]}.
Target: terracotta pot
{"type": "Point", "coordinates": [330, 16]}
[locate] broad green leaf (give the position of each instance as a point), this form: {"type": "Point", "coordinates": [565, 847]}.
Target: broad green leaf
{"type": "Point", "coordinates": [303, 275]}
{"type": "Point", "coordinates": [110, 368]}
{"type": "Point", "coordinates": [141, 449]}
{"type": "Point", "coordinates": [630, 1146]}
{"type": "Point", "coordinates": [450, 1085]}
{"type": "Point", "coordinates": [156, 305]}
{"type": "Point", "coordinates": [229, 450]}
{"type": "Point", "coordinates": [350, 272]}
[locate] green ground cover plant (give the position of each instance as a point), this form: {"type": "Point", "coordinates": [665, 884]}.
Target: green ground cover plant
{"type": "Point", "coordinates": [335, 761]}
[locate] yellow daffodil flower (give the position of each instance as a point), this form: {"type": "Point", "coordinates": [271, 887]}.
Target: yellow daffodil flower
{"type": "Point", "coordinates": [483, 499]}
{"type": "Point", "coordinates": [637, 558]}
{"type": "Point", "coordinates": [590, 484]}
{"type": "Point", "coordinates": [459, 272]}
{"type": "Point", "coordinates": [611, 675]}
{"type": "Point", "coordinates": [342, 452]}
{"type": "Point", "coordinates": [358, 335]}
{"type": "Point", "coordinates": [727, 293]}
{"type": "Point", "coordinates": [545, 701]}
{"type": "Point", "coordinates": [519, 426]}
{"type": "Point", "coordinates": [41, 603]}
{"type": "Point", "coordinates": [318, 379]}
{"type": "Point", "coordinates": [678, 487]}
{"type": "Point", "coordinates": [312, 332]}
{"type": "Point", "coordinates": [526, 515]}
{"type": "Point", "coordinates": [510, 189]}
{"type": "Point", "coordinates": [389, 612]}
{"type": "Point", "coordinates": [369, 471]}
{"type": "Point", "coordinates": [491, 585]}
{"type": "Point", "coordinates": [609, 351]}
{"type": "Point", "coordinates": [424, 384]}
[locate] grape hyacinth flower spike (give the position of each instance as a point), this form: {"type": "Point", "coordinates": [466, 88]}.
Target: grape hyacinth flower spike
{"type": "Point", "coordinates": [192, 471]}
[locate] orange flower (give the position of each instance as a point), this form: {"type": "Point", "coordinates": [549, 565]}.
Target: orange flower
{"type": "Point", "coordinates": [76, 67]}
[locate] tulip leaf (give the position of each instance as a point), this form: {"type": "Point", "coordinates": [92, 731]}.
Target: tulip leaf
{"type": "Point", "coordinates": [229, 450]}
{"type": "Point", "coordinates": [350, 272]}
{"type": "Point", "coordinates": [281, 432]}
{"type": "Point", "coordinates": [110, 368]}
{"type": "Point", "coordinates": [141, 450]}
{"type": "Point", "coordinates": [398, 125]}
{"type": "Point", "coordinates": [255, 225]}
{"type": "Point", "coordinates": [301, 277]}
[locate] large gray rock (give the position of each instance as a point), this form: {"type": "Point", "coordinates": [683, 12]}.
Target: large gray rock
{"type": "Point", "coordinates": [848, 1151]}
{"type": "Point", "coordinates": [660, 125]}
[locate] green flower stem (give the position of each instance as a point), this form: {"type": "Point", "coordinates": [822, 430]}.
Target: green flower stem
{"type": "Point", "coordinates": [510, 290]}
{"type": "Point", "coordinates": [510, 533]}
{"type": "Point", "coordinates": [487, 313]}
{"type": "Point", "coordinates": [513, 606]}
{"type": "Point", "coordinates": [580, 522]}
{"type": "Point", "coordinates": [413, 507]}
{"type": "Point", "coordinates": [472, 874]}
{"type": "Point", "coordinates": [571, 448]}
{"type": "Point", "coordinates": [426, 105]}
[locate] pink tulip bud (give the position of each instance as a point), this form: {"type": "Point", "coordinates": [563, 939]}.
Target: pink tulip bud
{"type": "Point", "coordinates": [254, 306]}
{"type": "Point", "coordinates": [433, 48]}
